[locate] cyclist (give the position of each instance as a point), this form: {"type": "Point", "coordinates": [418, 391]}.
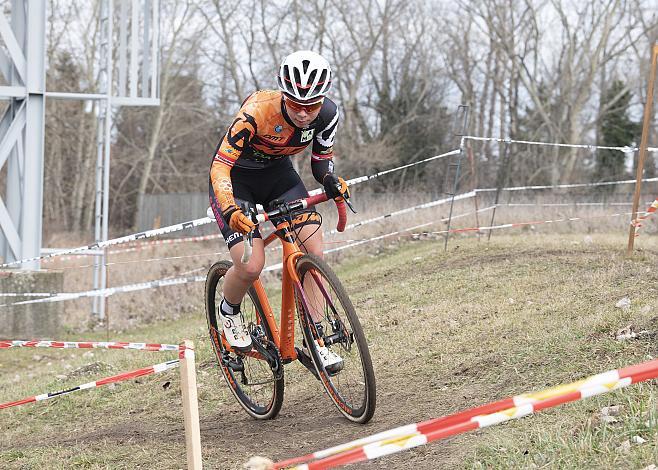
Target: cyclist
{"type": "Point", "coordinates": [252, 166]}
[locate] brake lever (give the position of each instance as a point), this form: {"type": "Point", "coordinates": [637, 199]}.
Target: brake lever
{"type": "Point", "coordinates": [349, 204]}
{"type": "Point", "coordinates": [248, 238]}
{"type": "Point", "coordinates": [248, 247]}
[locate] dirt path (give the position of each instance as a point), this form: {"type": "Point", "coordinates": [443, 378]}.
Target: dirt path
{"type": "Point", "coordinates": [456, 331]}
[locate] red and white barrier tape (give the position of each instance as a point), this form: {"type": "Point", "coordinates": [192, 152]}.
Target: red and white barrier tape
{"type": "Point", "coordinates": [207, 220]}
{"type": "Point", "coordinates": [413, 435]}
{"type": "Point", "coordinates": [425, 205]}
{"type": "Point", "coordinates": [109, 380]}
{"type": "Point", "coordinates": [7, 344]}
{"type": "Point", "coordinates": [331, 232]}
{"type": "Point", "coordinates": [637, 223]}
{"type": "Point", "coordinates": [170, 241]}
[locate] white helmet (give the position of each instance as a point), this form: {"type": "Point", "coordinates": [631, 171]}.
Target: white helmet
{"type": "Point", "coordinates": [304, 76]}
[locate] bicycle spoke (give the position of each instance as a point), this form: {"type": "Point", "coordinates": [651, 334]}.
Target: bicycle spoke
{"type": "Point", "coordinates": [249, 376]}
{"type": "Point", "coordinates": [352, 387]}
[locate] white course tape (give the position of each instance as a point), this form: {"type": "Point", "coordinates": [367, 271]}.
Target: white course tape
{"type": "Point", "coordinates": [562, 186]}
{"type": "Point", "coordinates": [127, 288]}
{"type": "Point", "coordinates": [361, 179]}
{"type": "Point", "coordinates": [555, 144]}
{"type": "Point", "coordinates": [56, 297]}
{"type": "Point", "coordinates": [563, 204]}
{"type": "Point", "coordinates": [198, 222]}
{"type": "Point", "coordinates": [27, 294]}
{"type": "Point", "coordinates": [118, 241]}
{"type": "Point", "coordinates": [425, 205]}
{"type": "Point", "coordinates": [398, 232]}
{"type": "Point", "coordinates": [525, 224]}
{"type": "Point", "coordinates": [184, 280]}
{"type": "Point", "coordinates": [210, 216]}
{"type": "Point", "coordinates": [113, 290]}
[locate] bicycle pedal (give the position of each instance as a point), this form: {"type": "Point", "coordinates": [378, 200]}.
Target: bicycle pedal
{"type": "Point", "coordinates": [234, 365]}
{"type": "Point", "coordinates": [307, 362]}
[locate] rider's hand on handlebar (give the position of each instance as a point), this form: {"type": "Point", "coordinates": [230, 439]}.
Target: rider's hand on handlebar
{"type": "Point", "coordinates": [335, 187]}
{"type": "Point", "coordinates": [238, 220]}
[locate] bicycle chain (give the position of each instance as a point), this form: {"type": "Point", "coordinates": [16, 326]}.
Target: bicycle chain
{"type": "Point", "coordinates": [272, 349]}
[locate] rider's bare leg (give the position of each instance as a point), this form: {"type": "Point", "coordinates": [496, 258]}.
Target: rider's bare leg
{"type": "Point", "coordinates": [312, 238]}
{"type": "Point", "coordinates": [240, 276]}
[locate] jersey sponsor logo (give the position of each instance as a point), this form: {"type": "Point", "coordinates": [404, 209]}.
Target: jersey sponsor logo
{"type": "Point", "coordinates": [238, 138]}
{"type": "Point", "coordinates": [233, 236]}
{"type": "Point", "coordinates": [307, 135]}
{"type": "Point", "coordinates": [276, 138]}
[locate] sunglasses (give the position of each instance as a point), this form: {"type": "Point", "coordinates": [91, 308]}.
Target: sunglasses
{"type": "Point", "coordinates": [299, 107]}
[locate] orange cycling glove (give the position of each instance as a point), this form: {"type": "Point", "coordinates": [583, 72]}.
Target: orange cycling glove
{"type": "Point", "coordinates": [238, 220]}
{"type": "Point", "coordinates": [335, 187]}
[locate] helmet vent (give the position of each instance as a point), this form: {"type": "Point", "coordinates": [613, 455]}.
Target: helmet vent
{"type": "Point", "coordinates": [311, 77]}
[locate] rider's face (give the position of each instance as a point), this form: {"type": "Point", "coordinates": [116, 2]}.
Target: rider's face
{"type": "Point", "coordinates": [302, 115]}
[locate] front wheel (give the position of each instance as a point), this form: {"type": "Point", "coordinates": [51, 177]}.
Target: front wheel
{"type": "Point", "coordinates": [328, 320]}
{"type": "Point", "coordinates": [257, 386]}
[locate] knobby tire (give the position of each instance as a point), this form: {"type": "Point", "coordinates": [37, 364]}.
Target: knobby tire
{"type": "Point", "coordinates": [353, 389]}
{"type": "Point", "coordinates": [271, 405]}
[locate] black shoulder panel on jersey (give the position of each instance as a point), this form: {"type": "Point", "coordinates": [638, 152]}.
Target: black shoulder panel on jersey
{"type": "Point", "coordinates": [327, 113]}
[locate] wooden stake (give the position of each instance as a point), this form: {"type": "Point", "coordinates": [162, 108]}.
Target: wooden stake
{"type": "Point", "coordinates": [648, 107]}
{"type": "Point", "coordinates": [190, 406]}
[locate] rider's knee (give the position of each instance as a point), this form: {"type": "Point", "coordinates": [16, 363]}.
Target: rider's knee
{"type": "Point", "coordinates": [316, 250]}
{"type": "Point", "coordinates": [250, 272]}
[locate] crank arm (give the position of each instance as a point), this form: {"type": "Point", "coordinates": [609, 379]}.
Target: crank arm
{"type": "Point", "coordinates": [271, 360]}
{"type": "Point", "coordinates": [307, 362]}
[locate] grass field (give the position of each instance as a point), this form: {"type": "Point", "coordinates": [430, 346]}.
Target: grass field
{"type": "Point", "coordinates": [447, 330]}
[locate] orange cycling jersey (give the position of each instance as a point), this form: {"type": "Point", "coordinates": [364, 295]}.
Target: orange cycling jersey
{"type": "Point", "coordinates": [262, 134]}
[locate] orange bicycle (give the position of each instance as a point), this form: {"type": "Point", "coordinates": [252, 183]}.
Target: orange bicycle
{"type": "Point", "coordinates": [326, 318]}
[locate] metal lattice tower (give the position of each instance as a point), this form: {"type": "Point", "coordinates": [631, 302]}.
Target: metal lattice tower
{"type": "Point", "coordinates": [22, 61]}
{"type": "Point", "coordinates": [22, 66]}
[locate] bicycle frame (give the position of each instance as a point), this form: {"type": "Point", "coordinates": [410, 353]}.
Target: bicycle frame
{"type": "Point", "coordinates": [311, 290]}
{"type": "Point", "coordinates": [283, 335]}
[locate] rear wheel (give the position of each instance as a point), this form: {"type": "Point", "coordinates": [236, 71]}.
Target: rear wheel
{"type": "Point", "coordinates": [328, 319]}
{"type": "Point", "coordinates": [255, 382]}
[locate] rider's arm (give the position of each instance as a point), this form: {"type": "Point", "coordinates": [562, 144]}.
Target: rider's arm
{"type": "Point", "coordinates": [322, 162]}
{"type": "Point", "coordinates": [237, 137]}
